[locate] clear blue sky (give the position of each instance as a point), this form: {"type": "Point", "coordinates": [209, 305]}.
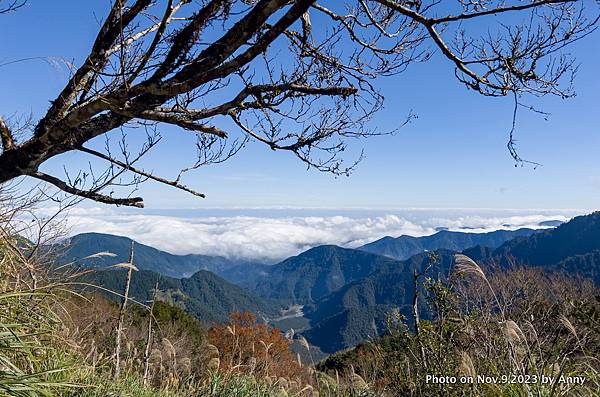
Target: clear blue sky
{"type": "Point", "coordinates": [453, 155]}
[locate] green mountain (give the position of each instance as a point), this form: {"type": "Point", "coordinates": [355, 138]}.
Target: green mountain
{"type": "Point", "coordinates": [83, 246]}
{"type": "Point", "coordinates": [316, 273]}
{"type": "Point", "coordinates": [358, 310]}
{"type": "Point", "coordinates": [345, 295]}
{"type": "Point", "coordinates": [404, 247]}
{"type": "Point", "coordinates": [246, 274]}
{"type": "Point", "coordinates": [348, 328]}
{"type": "Point", "coordinates": [573, 247]}
{"type": "Point", "coordinates": [204, 295]}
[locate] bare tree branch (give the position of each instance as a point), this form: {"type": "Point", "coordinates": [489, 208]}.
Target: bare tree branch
{"type": "Point", "coordinates": [494, 11]}
{"type": "Point", "coordinates": [266, 72]}
{"type": "Point", "coordinates": [132, 201]}
{"type": "Point", "coordinates": [7, 6]}
{"type": "Point", "coordinates": [109, 33]}
{"type": "Point", "coordinates": [141, 172]}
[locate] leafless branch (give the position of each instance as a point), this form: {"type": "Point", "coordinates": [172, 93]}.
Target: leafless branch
{"type": "Point", "coordinates": [133, 201]}
{"type": "Point", "coordinates": [7, 6]}
{"type": "Point", "coordinates": [265, 72]}
{"type": "Point", "coordinates": [140, 172]}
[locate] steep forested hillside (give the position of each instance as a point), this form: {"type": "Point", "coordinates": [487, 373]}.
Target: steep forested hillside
{"type": "Point", "coordinates": [354, 311]}
{"type": "Point", "coordinates": [573, 247]}
{"type": "Point", "coordinates": [317, 272]}
{"type": "Point", "coordinates": [204, 295]}
{"type": "Point", "coordinates": [358, 309]}
{"type": "Point", "coordinates": [349, 328]}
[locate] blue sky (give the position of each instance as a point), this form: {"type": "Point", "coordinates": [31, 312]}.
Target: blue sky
{"type": "Point", "coordinates": [453, 156]}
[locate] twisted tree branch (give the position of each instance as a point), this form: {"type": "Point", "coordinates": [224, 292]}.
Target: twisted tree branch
{"type": "Point", "coordinates": [88, 194]}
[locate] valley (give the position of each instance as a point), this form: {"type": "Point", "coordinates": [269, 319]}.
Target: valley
{"type": "Point", "coordinates": [335, 297]}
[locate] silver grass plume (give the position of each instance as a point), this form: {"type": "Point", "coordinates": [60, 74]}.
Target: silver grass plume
{"type": "Point", "coordinates": [101, 255]}
{"type": "Point", "coordinates": [211, 350]}
{"type": "Point", "coordinates": [512, 332]}
{"type": "Point", "coordinates": [568, 325]}
{"type": "Point", "coordinates": [304, 342]}
{"type": "Point", "coordinates": [466, 365]}
{"type": "Point", "coordinates": [467, 266]}
{"type": "Point", "coordinates": [213, 364]}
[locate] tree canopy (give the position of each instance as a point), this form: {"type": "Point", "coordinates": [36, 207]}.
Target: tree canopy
{"type": "Point", "coordinates": [295, 75]}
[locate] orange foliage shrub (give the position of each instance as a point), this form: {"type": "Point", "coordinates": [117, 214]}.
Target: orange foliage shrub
{"type": "Point", "coordinates": [248, 346]}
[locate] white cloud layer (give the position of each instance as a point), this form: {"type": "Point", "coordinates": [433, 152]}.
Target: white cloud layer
{"type": "Point", "coordinates": [273, 238]}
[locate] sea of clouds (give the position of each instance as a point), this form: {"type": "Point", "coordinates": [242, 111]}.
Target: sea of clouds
{"type": "Point", "coordinates": [276, 235]}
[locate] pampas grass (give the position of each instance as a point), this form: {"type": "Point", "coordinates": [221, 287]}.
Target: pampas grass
{"type": "Point", "coordinates": [213, 364]}
{"type": "Point", "coordinates": [463, 265]}
{"type": "Point", "coordinates": [568, 325]}
{"type": "Point", "coordinates": [211, 350]}
{"type": "Point", "coordinates": [466, 365]}
{"type": "Point", "coordinates": [512, 332]}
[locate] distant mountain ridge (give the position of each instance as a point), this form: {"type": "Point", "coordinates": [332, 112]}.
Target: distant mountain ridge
{"type": "Point", "coordinates": [573, 247]}
{"type": "Point", "coordinates": [344, 295]}
{"type": "Point", "coordinates": [247, 273]}
{"type": "Point", "coordinates": [146, 258]}
{"type": "Point", "coordinates": [354, 311]}
{"type": "Point", "coordinates": [358, 310]}
{"type": "Point", "coordinates": [404, 247]}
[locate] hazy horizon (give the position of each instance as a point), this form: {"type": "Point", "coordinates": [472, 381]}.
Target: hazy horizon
{"type": "Point", "coordinates": [269, 235]}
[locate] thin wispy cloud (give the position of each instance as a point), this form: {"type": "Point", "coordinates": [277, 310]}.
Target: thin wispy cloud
{"type": "Point", "coordinates": [271, 238]}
